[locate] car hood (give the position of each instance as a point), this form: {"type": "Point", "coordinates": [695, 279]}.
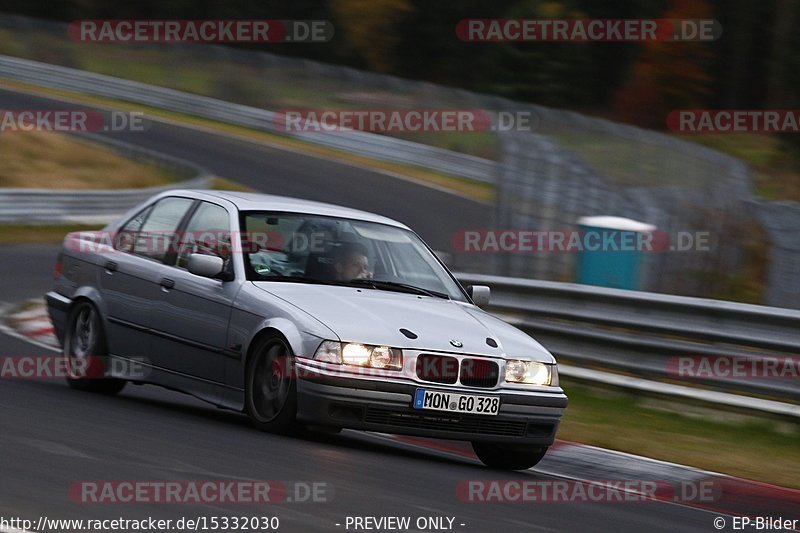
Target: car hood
{"type": "Point", "coordinates": [375, 317]}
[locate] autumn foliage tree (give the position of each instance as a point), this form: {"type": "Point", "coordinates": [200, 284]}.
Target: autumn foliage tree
{"type": "Point", "coordinates": [667, 75]}
{"type": "Point", "coordinates": [370, 28]}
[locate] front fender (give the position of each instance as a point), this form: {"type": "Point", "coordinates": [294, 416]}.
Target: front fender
{"type": "Point", "coordinates": [302, 343]}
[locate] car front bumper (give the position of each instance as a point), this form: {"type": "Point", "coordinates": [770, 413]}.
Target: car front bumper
{"type": "Point", "coordinates": [381, 406]}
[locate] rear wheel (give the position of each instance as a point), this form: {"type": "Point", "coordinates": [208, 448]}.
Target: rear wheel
{"type": "Point", "coordinates": [508, 456]}
{"type": "Point", "coordinates": [85, 352]}
{"type": "Point", "coordinates": [271, 386]}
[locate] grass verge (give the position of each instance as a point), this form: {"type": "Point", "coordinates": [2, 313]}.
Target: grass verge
{"type": "Point", "coordinates": [39, 233]}
{"type": "Point", "coordinates": [762, 450]}
{"type": "Point", "coordinates": [47, 160]}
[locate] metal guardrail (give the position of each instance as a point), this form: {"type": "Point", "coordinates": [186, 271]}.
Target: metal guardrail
{"type": "Point", "coordinates": [638, 333]}
{"type": "Point", "coordinates": [100, 206]}
{"type": "Point", "coordinates": [372, 145]}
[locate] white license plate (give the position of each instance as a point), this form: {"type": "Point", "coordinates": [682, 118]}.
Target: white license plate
{"type": "Point", "coordinates": [456, 403]}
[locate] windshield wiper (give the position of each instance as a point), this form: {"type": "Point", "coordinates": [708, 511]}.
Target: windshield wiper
{"type": "Point", "coordinates": [397, 286]}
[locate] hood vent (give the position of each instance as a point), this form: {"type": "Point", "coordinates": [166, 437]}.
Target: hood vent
{"type": "Point", "coordinates": [407, 333]}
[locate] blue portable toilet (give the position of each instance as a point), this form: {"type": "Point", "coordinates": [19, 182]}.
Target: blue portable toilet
{"type": "Point", "coordinates": [611, 253]}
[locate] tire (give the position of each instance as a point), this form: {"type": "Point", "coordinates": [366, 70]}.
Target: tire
{"type": "Point", "coordinates": [271, 386]}
{"type": "Point", "coordinates": [508, 456]}
{"type": "Point", "coordinates": [322, 430]}
{"type": "Point", "coordinates": [85, 352]}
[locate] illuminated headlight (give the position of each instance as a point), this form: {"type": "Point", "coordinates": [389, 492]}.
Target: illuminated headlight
{"type": "Point", "coordinates": [351, 353]}
{"type": "Point", "coordinates": [530, 372]}
{"type": "Point", "coordinates": [356, 354]}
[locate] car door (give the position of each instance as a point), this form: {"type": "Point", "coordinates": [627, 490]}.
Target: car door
{"type": "Point", "coordinates": [190, 318]}
{"type": "Point", "coordinates": [131, 274]}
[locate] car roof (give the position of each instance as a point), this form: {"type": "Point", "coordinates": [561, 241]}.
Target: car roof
{"type": "Point", "coordinates": [248, 201]}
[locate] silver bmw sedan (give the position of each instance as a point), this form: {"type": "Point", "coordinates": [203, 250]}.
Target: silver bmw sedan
{"type": "Point", "coordinates": [300, 314]}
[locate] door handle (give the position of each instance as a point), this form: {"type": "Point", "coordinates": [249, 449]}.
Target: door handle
{"type": "Point", "coordinates": [167, 283]}
{"type": "Point", "coordinates": [111, 266]}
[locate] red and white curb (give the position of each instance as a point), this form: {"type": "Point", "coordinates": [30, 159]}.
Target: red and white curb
{"type": "Point", "coordinates": [29, 321]}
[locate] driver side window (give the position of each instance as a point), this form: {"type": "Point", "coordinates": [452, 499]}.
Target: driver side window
{"type": "Point", "coordinates": [208, 232]}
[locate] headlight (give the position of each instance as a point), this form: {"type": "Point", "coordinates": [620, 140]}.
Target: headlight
{"type": "Point", "coordinates": [530, 372]}
{"type": "Point", "coordinates": [355, 354]}
{"type": "Point", "coordinates": [381, 357]}
{"type": "Point", "coordinates": [329, 352]}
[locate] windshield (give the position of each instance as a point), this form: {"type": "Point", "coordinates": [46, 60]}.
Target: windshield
{"type": "Point", "coordinates": [337, 251]}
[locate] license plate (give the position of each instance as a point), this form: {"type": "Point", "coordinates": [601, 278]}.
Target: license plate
{"type": "Point", "coordinates": [456, 403]}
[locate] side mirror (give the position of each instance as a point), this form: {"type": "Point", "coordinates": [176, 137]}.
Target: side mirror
{"type": "Point", "coordinates": [208, 266]}
{"type": "Point", "coordinates": [480, 294]}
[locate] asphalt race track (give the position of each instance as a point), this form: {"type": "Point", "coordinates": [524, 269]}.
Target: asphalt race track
{"type": "Point", "coordinates": [52, 437]}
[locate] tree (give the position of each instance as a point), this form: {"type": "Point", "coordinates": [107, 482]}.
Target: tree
{"type": "Point", "coordinates": [548, 73]}
{"type": "Point", "coordinates": [668, 75]}
{"type": "Point", "coordinates": [370, 28]}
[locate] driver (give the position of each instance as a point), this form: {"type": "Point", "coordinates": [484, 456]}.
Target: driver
{"type": "Point", "coordinates": [350, 262]}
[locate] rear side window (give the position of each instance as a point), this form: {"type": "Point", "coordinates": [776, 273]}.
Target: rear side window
{"type": "Point", "coordinates": [126, 237]}
{"type": "Point", "coordinates": [153, 232]}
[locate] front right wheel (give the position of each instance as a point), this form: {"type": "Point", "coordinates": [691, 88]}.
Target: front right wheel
{"type": "Point", "coordinates": [508, 456]}
{"type": "Point", "coordinates": [271, 386]}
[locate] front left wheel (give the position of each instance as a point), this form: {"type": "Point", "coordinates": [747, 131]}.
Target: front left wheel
{"type": "Point", "coordinates": [85, 352]}
{"type": "Point", "coordinates": [271, 386]}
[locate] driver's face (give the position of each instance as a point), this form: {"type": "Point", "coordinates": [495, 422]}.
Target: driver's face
{"type": "Point", "coordinates": [355, 267]}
